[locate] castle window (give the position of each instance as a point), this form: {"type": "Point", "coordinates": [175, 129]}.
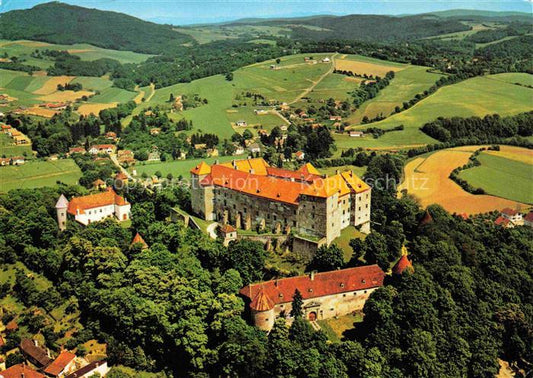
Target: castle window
{"type": "Point", "coordinates": [367, 195]}
{"type": "Point", "coordinates": [359, 208]}
{"type": "Point", "coordinates": [355, 293]}
{"type": "Point", "coordinates": [344, 295]}
{"type": "Point", "coordinates": [367, 205]}
{"type": "Point", "coordinates": [365, 291]}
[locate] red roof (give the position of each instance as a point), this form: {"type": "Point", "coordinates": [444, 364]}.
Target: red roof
{"type": "Point", "coordinates": [121, 176]}
{"type": "Point", "coordinates": [322, 284]}
{"type": "Point", "coordinates": [508, 211]}
{"type": "Point", "coordinates": [427, 218]}
{"type": "Point", "coordinates": [226, 228]}
{"type": "Point", "coordinates": [12, 325]}
{"type": "Point", "coordinates": [20, 371]}
{"type": "Point", "coordinates": [36, 354]}
{"type": "Point", "coordinates": [529, 217]}
{"type": "Point", "coordinates": [138, 239]}
{"type": "Point", "coordinates": [104, 146]}
{"type": "Point", "coordinates": [402, 264]}
{"type": "Point", "coordinates": [91, 201]}
{"type": "Point", "coordinates": [501, 221]}
{"type": "Point", "coordinates": [286, 174]}
{"type": "Point", "coordinates": [60, 363]}
{"type": "Point", "coordinates": [2, 342]}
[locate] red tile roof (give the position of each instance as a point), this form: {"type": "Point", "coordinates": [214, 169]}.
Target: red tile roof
{"type": "Point", "coordinates": [277, 184]}
{"type": "Point", "coordinates": [20, 371]}
{"type": "Point", "coordinates": [138, 239]}
{"type": "Point", "coordinates": [508, 211]}
{"type": "Point", "coordinates": [91, 201]}
{"type": "Point", "coordinates": [501, 221]}
{"type": "Point", "coordinates": [403, 264]}
{"type": "Point", "coordinates": [226, 228]}
{"type": "Point", "coordinates": [322, 284]}
{"type": "Point", "coordinates": [262, 302]}
{"type": "Point", "coordinates": [427, 218]}
{"type": "Point", "coordinates": [86, 369]}
{"type": "Point", "coordinates": [60, 363]}
{"type": "Point", "coordinates": [529, 217]}
{"type": "Point", "coordinates": [2, 342]}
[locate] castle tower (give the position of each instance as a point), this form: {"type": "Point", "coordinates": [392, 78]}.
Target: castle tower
{"type": "Point", "coordinates": [263, 313]}
{"type": "Point", "coordinates": [61, 209]}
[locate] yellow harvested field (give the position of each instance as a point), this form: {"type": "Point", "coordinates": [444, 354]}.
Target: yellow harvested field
{"type": "Point", "coordinates": [50, 86]}
{"type": "Point", "coordinates": [77, 51]}
{"type": "Point", "coordinates": [87, 109]}
{"type": "Point", "coordinates": [427, 178]}
{"type": "Point", "coordinates": [64, 96]}
{"type": "Point", "coordinates": [25, 43]}
{"type": "Point", "coordinates": [514, 153]}
{"type": "Point", "coordinates": [353, 79]}
{"type": "Point", "coordinates": [139, 98]}
{"type": "Point", "coordinates": [362, 68]}
{"type": "Point", "coordinates": [42, 112]}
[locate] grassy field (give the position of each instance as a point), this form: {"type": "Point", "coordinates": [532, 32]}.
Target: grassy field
{"type": "Point", "coordinates": [23, 49]}
{"type": "Point", "coordinates": [292, 78]}
{"type": "Point", "coordinates": [36, 174]}
{"type": "Point", "coordinates": [405, 85]}
{"type": "Point", "coordinates": [93, 83]}
{"type": "Point", "coordinates": [503, 177]}
{"type": "Point", "coordinates": [335, 328]}
{"type": "Point", "coordinates": [343, 241]}
{"type": "Point", "coordinates": [177, 167]}
{"type": "Point", "coordinates": [427, 178]}
{"type": "Point", "coordinates": [112, 94]}
{"type": "Point", "coordinates": [8, 149]}
{"type": "Point", "coordinates": [478, 96]}
{"type": "Point", "coordinates": [335, 86]}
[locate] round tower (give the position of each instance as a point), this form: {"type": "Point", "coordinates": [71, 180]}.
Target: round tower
{"type": "Point", "coordinates": [61, 209]}
{"type": "Point", "coordinates": [263, 313]}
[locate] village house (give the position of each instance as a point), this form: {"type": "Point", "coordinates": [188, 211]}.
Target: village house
{"type": "Point", "coordinates": [20, 371]}
{"type": "Point", "coordinates": [260, 111]}
{"type": "Point", "coordinates": [241, 123]}
{"type": "Point", "coordinates": [254, 148]}
{"type": "Point", "coordinates": [93, 208]}
{"type": "Point", "coordinates": [528, 219]}
{"type": "Point", "coordinates": [5, 161]}
{"type": "Point", "coordinates": [249, 194]}
{"type": "Point", "coordinates": [99, 184]}
{"type": "Point", "coordinates": [18, 160]}
{"type": "Point", "coordinates": [325, 295]}
{"type": "Point", "coordinates": [5, 128]}
{"type": "Point", "coordinates": [138, 239]}
{"type": "Point", "coordinates": [94, 369]}
{"type": "Point", "coordinates": [64, 363]}
{"type": "Point", "coordinates": [155, 131]}
{"type": "Point", "coordinates": [356, 134]}
{"type": "Point", "coordinates": [111, 135]}
{"type": "Point", "coordinates": [335, 118]}
{"type": "Point", "coordinates": [509, 218]}
{"type": "Point", "coordinates": [34, 353]}
{"type": "Point", "coordinates": [212, 152]}
{"type": "Point", "coordinates": [102, 149]}
{"type": "Point", "coordinates": [239, 150]}
{"type": "Point", "coordinates": [299, 155]}
{"type": "Point", "coordinates": [125, 157]}
{"type": "Point", "coordinates": [326, 60]}
{"type": "Point", "coordinates": [76, 150]}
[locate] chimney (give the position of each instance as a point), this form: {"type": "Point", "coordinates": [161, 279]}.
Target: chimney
{"type": "Point", "coordinates": [216, 161]}
{"type": "Point", "coordinates": [252, 171]}
{"type": "Point", "coordinates": [234, 163]}
{"type": "Point", "coordinates": [312, 276]}
{"type": "Point", "coordinates": [276, 283]}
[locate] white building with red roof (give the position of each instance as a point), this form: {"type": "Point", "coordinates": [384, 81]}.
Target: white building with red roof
{"type": "Point", "coordinates": [509, 218]}
{"type": "Point", "coordinates": [93, 208]}
{"type": "Point", "coordinates": [325, 295]}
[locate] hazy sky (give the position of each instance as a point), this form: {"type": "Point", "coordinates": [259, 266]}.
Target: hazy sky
{"type": "Point", "coordinates": [199, 11]}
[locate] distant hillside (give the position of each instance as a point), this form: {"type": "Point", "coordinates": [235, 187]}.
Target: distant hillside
{"type": "Point", "coordinates": [66, 24]}
{"type": "Point", "coordinates": [366, 27]}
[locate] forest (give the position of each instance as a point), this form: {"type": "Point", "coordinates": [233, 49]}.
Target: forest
{"type": "Point", "coordinates": [174, 307]}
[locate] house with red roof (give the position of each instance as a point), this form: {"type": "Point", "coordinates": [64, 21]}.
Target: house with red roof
{"type": "Point", "coordinates": [37, 355]}
{"type": "Point", "coordinates": [102, 149]}
{"type": "Point", "coordinates": [228, 233]}
{"type": "Point", "coordinates": [93, 208]}
{"type": "Point", "coordinates": [20, 371]}
{"type": "Point", "coordinates": [139, 239]}
{"type": "Point", "coordinates": [514, 216]}
{"type": "Point", "coordinates": [403, 264]}
{"type": "Point", "coordinates": [63, 364]}
{"type": "Point", "coordinates": [250, 194]}
{"type": "Point", "coordinates": [325, 295]}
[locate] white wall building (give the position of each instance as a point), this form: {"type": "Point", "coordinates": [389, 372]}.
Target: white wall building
{"type": "Point", "coordinates": [93, 208]}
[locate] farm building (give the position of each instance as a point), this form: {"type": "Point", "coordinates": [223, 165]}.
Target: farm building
{"type": "Point", "coordinates": [65, 362]}
{"type": "Point", "coordinates": [21, 371]}
{"type": "Point", "coordinates": [356, 134]}
{"type": "Point", "coordinates": [102, 149]}
{"type": "Point", "coordinates": [34, 353]}
{"type": "Point", "coordinates": [93, 208]}
{"type": "Point", "coordinates": [325, 295]}
{"type": "Point", "coordinates": [96, 368]}
{"type": "Point", "coordinates": [241, 123]}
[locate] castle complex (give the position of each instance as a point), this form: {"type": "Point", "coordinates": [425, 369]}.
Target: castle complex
{"type": "Point", "coordinates": [325, 295]}
{"type": "Point", "coordinates": [249, 194]}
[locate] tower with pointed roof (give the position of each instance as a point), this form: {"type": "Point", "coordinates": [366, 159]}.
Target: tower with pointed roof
{"type": "Point", "coordinates": [61, 209]}
{"type": "Point", "coordinates": [262, 308]}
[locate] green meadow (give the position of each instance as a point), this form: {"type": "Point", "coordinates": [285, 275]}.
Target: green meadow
{"type": "Point", "coordinates": [478, 96]}
{"type": "Point", "coordinates": [35, 174]}
{"type": "Point", "coordinates": [284, 84]}
{"type": "Point", "coordinates": [113, 94]}
{"type": "Point", "coordinates": [406, 84]}
{"type": "Point", "coordinates": [177, 167]}
{"type": "Point", "coordinates": [23, 49]}
{"type": "Point", "coordinates": [93, 83]}
{"type": "Point", "coordinates": [502, 177]}
{"type": "Point", "coordinates": [8, 149]}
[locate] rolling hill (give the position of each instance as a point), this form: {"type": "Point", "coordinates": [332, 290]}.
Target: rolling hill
{"type": "Point", "coordinates": [66, 24]}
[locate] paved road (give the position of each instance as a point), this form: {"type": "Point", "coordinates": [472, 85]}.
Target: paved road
{"type": "Point", "coordinates": [114, 159]}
